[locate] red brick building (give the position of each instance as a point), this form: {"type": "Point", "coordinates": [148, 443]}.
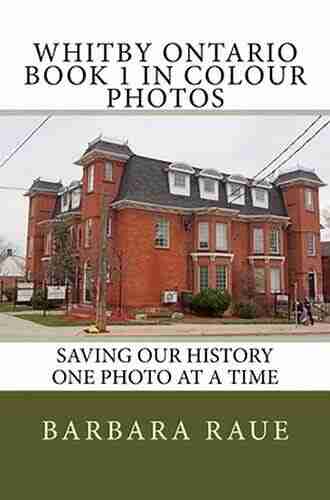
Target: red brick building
{"type": "Point", "coordinates": [325, 253]}
{"type": "Point", "coordinates": [174, 227]}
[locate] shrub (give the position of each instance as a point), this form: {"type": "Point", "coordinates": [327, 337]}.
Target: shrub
{"type": "Point", "coordinates": [186, 299]}
{"type": "Point", "coordinates": [246, 310]}
{"type": "Point", "coordinates": [10, 294]}
{"type": "Point", "coordinates": [38, 300]}
{"type": "Point", "coordinates": [211, 302]}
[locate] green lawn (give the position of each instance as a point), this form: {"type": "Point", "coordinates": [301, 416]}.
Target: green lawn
{"type": "Point", "coordinates": [53, 320]}
{"type": "Point", "coordinates": [10, 308]}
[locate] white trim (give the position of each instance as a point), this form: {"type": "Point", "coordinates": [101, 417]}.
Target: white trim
{"type": "Point", "coordinates": [300, 179]}
{"type": "Point", "coordinates": [195, 255]}
{"type": "Point", "coordinates": [267, 257]}
{"type": "Point", "coordinates": [120, 204]}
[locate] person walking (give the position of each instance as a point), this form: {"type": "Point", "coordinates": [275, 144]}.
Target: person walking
{"type": "Point", "coordinates": [308, 307]}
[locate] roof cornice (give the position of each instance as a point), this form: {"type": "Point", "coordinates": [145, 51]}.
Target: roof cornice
{"type": "Point", "coordinates": [96, 153]}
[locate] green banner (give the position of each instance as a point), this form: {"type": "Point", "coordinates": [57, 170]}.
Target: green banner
{"type": "Point", "coordinates": [196, 445]}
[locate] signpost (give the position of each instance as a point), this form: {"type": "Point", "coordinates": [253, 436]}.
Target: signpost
{"type": "Point", "coordinates": [24, 292]}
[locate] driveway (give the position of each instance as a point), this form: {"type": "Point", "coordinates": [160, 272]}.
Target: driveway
{"type": "Point", "coordinates": [13, 329]}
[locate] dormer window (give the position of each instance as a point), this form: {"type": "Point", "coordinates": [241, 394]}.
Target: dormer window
{"type": "Point", "coordinates": [179, 178]}
{"type": "Point", "coordinates": [209, 184]}
{"type": "Point", "coordinates": [75, 198]}
{"type": "Point", "coordinates": [236, 194]}
{"type": "Point", "coordinates": [260, 195]}
{"type": "Point", "coordinates": [236, 189]}
{"type": "Point", "coordinates": [65, 201]}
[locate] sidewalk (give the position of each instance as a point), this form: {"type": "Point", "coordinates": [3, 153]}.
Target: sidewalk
{"type": "Point", "coordinates": [16, 329]}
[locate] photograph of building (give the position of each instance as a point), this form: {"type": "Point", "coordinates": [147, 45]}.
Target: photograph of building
{"type": "Point", "coordinates": [173, 227]}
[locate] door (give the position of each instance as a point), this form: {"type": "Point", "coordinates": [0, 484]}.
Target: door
{"type": "Point", "coordinates": [311, 286]}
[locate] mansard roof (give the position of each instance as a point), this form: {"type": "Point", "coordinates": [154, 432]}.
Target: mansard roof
{"type": "Point", "coordinates": [110, 146]}
{"type": "Point", "coordinates": [145, 180]}
{"type": "Point", "coordinates": [300, 174]}
{"type": "Point", "coordinates": [41, 186]}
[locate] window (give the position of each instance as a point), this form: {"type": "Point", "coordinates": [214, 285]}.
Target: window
{"type": "Point", "coordinates": [311, 244]}
{"type": "Point", "coordinates": [79, 237]}
{"type": "Point", "coordinates": [203, 235]}
{"type": "Point", "coordinates": [203, 277]}
{"type": "Point", "coordinates": [75, 196]}
{"type": "Point", "coordinates": [221, 237]}
{"type": "Point", "coordinates": [258, 240]}
{"type": "Point", "coordinates": [88, 233]}
{"type": "Point", "coordinates": [236, 194]}
{"type": "Point", "coordinates": [109, 227]}
{"type": "Point", "coordinates": [90, 178]}
{"type": "Point", "coordinates": [209, 185]}
{"type": "Point", "coordinates": [65, 201]}
{"type": "Point", "coordinates": [162, 233]}
{"type": "Point", "coordinates": [221, 277]}
{"type": "Point", "coordinates": [275, 241]}
{"type": "Point", "coordinates": [260, 197]}
{"type": "Point", "coordinates": [259, 277]}
{"type": "Point", "coordinates": [48, 243]}
{"type": "Point", "coordinates": [275, 280]}
{"type": "Point", "coordinates": [180, 180]}
{"type": "Point", "coordinates": [309, 200]}
{"type": "Point", "coordinates": [108, 171]}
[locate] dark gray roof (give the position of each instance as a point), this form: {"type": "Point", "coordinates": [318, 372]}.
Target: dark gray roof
{"type": "Point", "coordinates": [40, 186]}
{"type": "Point", "coordinates": [325, 248]}
{"type": "Point", "coordinates": [298, 174]}
{"type": "Point", "coordinates": [146, 180]}
{"type": "Point", "coordinates": [112, 147]}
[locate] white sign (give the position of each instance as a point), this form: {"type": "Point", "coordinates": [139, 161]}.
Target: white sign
{"type": "Point", "coordinates": [24, 295]}
{"type": "Point", "coordinates": [56, 292]}
{"type": "Point", "coordinates": [24, 284]}
{"type": "Point", "coordinates": [283, 298]}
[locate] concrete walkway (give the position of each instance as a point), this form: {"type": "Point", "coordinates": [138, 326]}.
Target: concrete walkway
{"type": "Point", "coordinates": [16, 329]}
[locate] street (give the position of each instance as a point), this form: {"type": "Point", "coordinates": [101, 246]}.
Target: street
{"type": "Point", "coordinates": [13, 329]}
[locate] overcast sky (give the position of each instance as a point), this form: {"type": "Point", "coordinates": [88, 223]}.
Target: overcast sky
{"type": "Point", "coordinates": [241, 144]}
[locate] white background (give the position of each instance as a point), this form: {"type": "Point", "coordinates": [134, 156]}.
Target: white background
{"type": "Point", "coordinates": [304, 23]}
{"type": "Point", "coordinates": [30, 366]}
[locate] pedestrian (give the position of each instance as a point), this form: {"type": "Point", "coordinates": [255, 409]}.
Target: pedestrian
{"type": "Point", "coordinates": [300, 310]}
{"type": "Point", "coordinates": [308, 307]}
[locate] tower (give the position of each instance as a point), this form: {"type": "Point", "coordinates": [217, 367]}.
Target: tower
{"type": "Point", "coordinates": [300, 189]}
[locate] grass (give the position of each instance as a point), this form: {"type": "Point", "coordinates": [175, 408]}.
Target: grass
{"type": "Point", "coordinates": [53, 320]}
{"type": "Point", "coordinates": [4, 308]}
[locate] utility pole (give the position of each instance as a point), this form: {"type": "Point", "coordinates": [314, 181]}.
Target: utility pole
{"type": "Point", "coordinates": [101, 319]}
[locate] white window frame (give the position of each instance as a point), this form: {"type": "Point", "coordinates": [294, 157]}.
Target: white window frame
{"type": "Point", "coordinates": [264, 203]}
{"type": "Point", "coordinates": [88, 233]}
{"type": "Point", "coordinates": [48, 243]}
{"type": "Point", "coordinates": [108, 171]}
{"type": "Point", "coordinates": [235, 197]}
{"type": "Point", "coordinates": [222, 267]}
{"type": "Point", "coordinates": [200, 280]}
{"type": "Point", "coordinates": [75, 198]}
{"type": "Point", "coordinates": [221, 236]}
{"type": "Point", "coordinates": [311, 249]}
{"type": "Point", "coordinates": [65, 201]}
{"type": "Point", "coordinates": [161, 225]}
{"type": "Point", "coordinates": [309, 199]}
{"type": "Point", "coordinates": [90, 178]}
{"type": "Point", "coordinates": [275, 285]}
{"type": "Point", "coordinates": [179, 190]}
{"type": "Point", "coordinates": [277, 250]}
{"type": "Point", "coordinates": [109, 226]}
{"type": "Point", "coordinates": [262, 288]}
{"type": "Point", "coordinates": [258, 243]}
{"type": "Point", "coordinates": [203, 235]}
{"type": "Point", "coordinates": [204, 193]}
